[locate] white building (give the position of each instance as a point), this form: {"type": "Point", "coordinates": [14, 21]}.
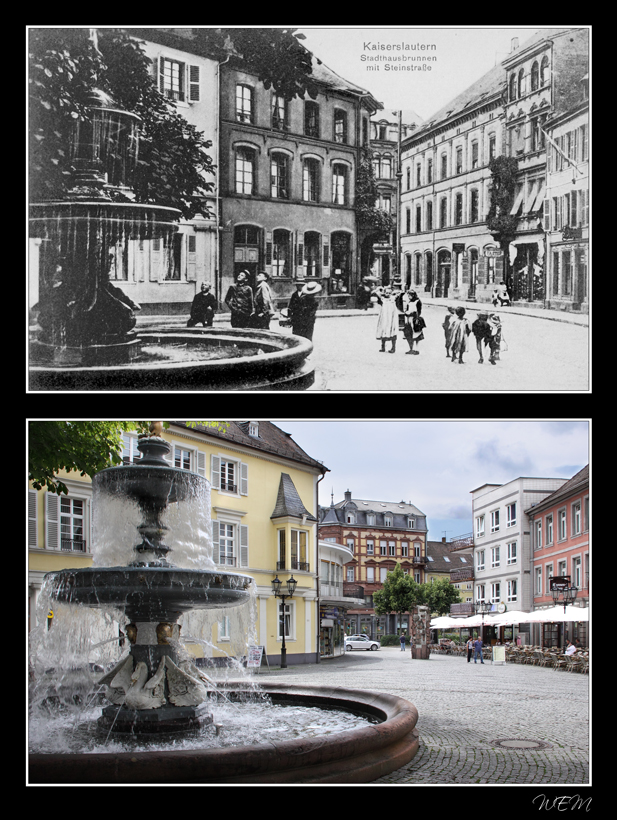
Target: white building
{"type": "Point", "coordinates": [503, 554]}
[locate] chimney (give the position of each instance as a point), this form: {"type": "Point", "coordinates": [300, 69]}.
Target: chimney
{"type": "Point", "coordinates": [514, 44]}
{"type": "Point", "coordinates": [443, 539]}
{"type": "Point", "coordinates": [348, 495]}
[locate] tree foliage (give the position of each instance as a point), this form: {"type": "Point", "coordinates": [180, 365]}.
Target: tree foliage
{"type": "Point", "coordinates": [82, 446]}
{"type": "Point", "coordinates": [439, 595]}
{"type": "Point", "coordinates": [65, 66]}
{"type": "Point", "coordinates": [276, 56]}
{"type": "Point", "coordinates": [399, 594]}
{"type": "Point", "coordinates": [503, 187]}
{"type": "Point", "coordinates": [371, 220]}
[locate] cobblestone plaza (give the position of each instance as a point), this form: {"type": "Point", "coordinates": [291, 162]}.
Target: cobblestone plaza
{"type": "Point", "coordinates": [506, 724]}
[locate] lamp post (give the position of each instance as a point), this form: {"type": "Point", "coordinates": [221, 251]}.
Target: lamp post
{"type": "Point", "coordinates": [483, 608]}
{"type": "Point", "coordinates": [277, 586]}
{"type": "Point", "coordinates": [562, 591]}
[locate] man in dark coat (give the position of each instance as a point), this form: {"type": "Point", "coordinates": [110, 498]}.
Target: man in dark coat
{"type": "Point", "coordinates": [203, 307]}
{"type": "Point", "coordinates": [303, 308]}
{"type": "Point", "coordinates": [239, 300]}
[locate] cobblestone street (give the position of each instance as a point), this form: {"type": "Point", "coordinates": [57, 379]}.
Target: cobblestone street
{"type": "Point", "coordinates": [467, 711]}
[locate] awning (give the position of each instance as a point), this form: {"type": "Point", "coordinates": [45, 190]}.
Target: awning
{"type": "Point", "coordinates": [517, 202]}
{"type": "Point", "coordinates": [539, 198]}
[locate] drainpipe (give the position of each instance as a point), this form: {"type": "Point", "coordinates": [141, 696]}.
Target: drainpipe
{"type": "Point", "coordinates": [218, 274]}
{"type": "Point", "coordinates": [317, 578]}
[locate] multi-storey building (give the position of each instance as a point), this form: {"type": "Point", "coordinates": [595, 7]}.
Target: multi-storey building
{"type": "Point", "coordinates": [566, 209]}
{"type": "Point", "coordinates": [334, 602]}
{"type": "Point", "coordinates": [560, 537]}
{"type": "Point", "coordinates": [388, 129]}
{"type": "Point", "coordinates": [264, 512]}
{"type": "Point", "coordinates": [543, 79]}
{"type": "Point", "coordinates": [287, 182]}
{"type": "Point", "coordinates": [503, 554]}
{"type": "Point", "coordinates": [380, 535]}
{"type": "Point", "coordinates": [446, 246]}
{"type": "Point", "coordinates": [447, 182]}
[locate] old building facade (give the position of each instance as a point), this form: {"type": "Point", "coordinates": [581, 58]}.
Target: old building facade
{"type": "Point", "coordinates": [380, 535]}
{"type": "Point", "coordinates": [287, 182]}
{"type": "Point", "coordinates": [264, 517]}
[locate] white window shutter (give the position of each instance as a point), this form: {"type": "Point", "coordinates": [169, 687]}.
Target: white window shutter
{"type": "Point", "coordinates": [194, 83]}
{"type": "Point", "coordinates": [201, 463]}
{"type": "Point", "coordinates": [52, 521]}
{"type": "Point", "coordinates": [244, 479]}
{"type": "Point", "coordinates": [244, 545]}
{"type": "Point", "coordinates": [215, 472]}
{"type": "Point", "coordinates": [33, 530]}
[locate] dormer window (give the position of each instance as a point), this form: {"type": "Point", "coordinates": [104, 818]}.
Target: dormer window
{"type": "Point", "coordinates": [387, 520]}
{"type": "Point", "coordinates": [350, 518]}
{"type": "Point", "coordinates": [254, 429]}
{"type": "Point", "coordinates": [411, 523]}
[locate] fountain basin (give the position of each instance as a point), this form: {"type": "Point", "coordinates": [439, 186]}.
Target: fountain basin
{"type": "Point", "coordinates": [150, 593]}
{"type": "Point", "coordinates": [193, 358]}
{"type": "Point", "coordinates": [356, 756]}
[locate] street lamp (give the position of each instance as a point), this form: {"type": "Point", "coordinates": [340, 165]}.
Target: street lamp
{"type": "Point", "coordinates": [277, 586]}
{"type": "Point", "coordinates": [483, 608]}
{"type": "Point", "coordinates": [562, 591]}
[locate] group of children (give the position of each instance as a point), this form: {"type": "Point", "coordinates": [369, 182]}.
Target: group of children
{"type": "Point", "coordinates": [486, 329]}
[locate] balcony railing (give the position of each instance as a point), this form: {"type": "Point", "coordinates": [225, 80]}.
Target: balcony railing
{"type": "Point", "coordinates": [458, 575]}
{"type": "Point", "coordinates": [300, 565]}
{"type": "Point", "coordinates": [75, 545]}
{"type": "Point", "coordinates": [461, 542]}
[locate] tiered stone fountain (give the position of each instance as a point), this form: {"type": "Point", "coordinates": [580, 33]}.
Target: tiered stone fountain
{"type": "Point", "coordinates": [83, 335]}
{"type": "Point", "coordinates": [155, 692]}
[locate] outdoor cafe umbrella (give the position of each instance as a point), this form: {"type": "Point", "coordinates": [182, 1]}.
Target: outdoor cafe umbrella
{"type": "Point", "coordinates": [556, 613]}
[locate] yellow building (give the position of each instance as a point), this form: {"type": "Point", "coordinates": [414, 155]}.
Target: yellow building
{"type": "Point", "coordinates": [264, 514]}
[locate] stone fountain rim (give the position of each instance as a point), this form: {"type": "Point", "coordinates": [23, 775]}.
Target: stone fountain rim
{"type": "Point", "coordinates": [300, 348]}
{"type": "Point", "coordinates": [354, 756]}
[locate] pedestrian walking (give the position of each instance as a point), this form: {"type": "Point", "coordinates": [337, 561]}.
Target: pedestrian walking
{"type": "Point", "coordinates": [414, 323]}
{"type": "Point", "coordinates": [461, 328]}
{"type": "Point", "coordinates": [263, 306]}
{"type": "Point", "coordinates": [203, 307]}
{"type": "Point", "coordinates": [387, 324]}
{"type": "Point", "coordinates": [482, 331]}
{"type": "Point", "coordinates": [469, 650]}
{"type": "Point", "coordinates": [477, 650]}
{"type": "Point", "coordinates": [239, 300]}
{"type": "Point", "coordinates": [402, 641]}
{"type": "Point", "coordinates": [495, 339]}
{"type": "Point", "coordinates": [447, 329]}
{"type": "Point", "coordinates": [363, 297]}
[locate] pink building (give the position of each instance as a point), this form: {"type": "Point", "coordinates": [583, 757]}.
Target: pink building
{"type": "Point", "coordinates": [560, 539]}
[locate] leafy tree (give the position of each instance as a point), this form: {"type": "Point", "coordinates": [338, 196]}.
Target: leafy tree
{"type": "Point", "coordinates": [65, 66]}
{"type": "Point", "coordinates": [439, 595]}
{"type": "Point", "coordinates": [84, 446]}
{"type": "Point", "coordinates": [400, 593]}
{"type": "Point", "coordinates": [503, 187]}
{"type": "Point", "coordinates": [275, 55]}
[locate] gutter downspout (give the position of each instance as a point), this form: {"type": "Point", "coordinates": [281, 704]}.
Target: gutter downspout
{"type": "Point", "coordinates": [218, 274]}
{"type": "Point", "coordinates": [317, 576]}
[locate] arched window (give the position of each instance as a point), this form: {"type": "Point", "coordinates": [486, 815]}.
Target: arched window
{"type": "Point", "coordinates": [544, 72]}
{"type": "Point", "coordinates": [535, 76]}
{"type": "Point", "coordinates": [512, 89]}
{"type": "Point", "coordinates": [339, 184]}
{"type": "Point", "coordinates": [245, 170]}
{"type": "Point", "coordinates": [310, 180]}
{"type": "Point", "coordinates": [521, 83]}
{"type": "Point", "coordinates": [279, 176]}
{"type": "Point", "coordinates": [312, 253]}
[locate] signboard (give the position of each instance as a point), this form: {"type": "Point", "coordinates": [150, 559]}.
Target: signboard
{"type": "Point", "coordinates": [493, 252]}
{"type": "Point", "coordinates": [255, 657]}
{"type": "Point", "coordinates": [499, 654]}
{"type": "Point", "coordinates": [559, 582]}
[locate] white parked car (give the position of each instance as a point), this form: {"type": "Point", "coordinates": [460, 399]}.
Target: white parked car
{"type": "Point", "coordinates": [360, 642]}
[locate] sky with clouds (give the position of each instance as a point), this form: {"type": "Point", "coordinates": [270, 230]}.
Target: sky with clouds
{"type": "Point", "coordinates": [436, 464]}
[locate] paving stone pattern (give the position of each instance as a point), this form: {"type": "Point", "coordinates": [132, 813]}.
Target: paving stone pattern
{"type": "Point", "coordinates": [466, 709]}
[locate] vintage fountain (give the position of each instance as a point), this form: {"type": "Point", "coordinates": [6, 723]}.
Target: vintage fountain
{"type": "Point", "coordinates": [83, 325]}
{"type": "Point", "coordinates": [158, 692]}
